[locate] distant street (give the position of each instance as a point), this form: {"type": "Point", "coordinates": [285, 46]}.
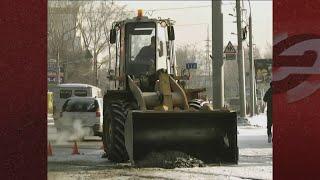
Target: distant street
{"type": "Point", "coordinates": [255, 161]}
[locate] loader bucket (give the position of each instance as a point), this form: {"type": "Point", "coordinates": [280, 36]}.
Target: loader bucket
{"type": "Point", "coordinates": [208, 136]}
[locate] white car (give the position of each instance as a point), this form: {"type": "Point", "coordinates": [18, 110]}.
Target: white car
{"type": "Point", "coordinates": [81, 115]}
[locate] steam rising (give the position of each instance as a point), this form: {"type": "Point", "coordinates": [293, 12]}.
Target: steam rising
{"type": "Point", "coordinates": [71, 132]}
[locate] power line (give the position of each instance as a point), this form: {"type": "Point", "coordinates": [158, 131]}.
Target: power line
{"type": "Point", "coordinates": [148, 10]}
{"type": "Point", "coordinates": [192, 24]}
{"type": "Point", "coordinates": [188, 7]}
{"type": "Point", "coordinates": [198, 24]}
{"type": "Point", "coordinates": [166, 9]}
{"type": "Point", "coordinates": [153, 10]}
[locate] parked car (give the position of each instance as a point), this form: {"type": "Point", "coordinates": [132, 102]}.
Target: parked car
{"type": "Point", "coordinates": [85, 112]}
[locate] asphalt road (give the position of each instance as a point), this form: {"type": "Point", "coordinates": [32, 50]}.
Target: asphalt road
{"type": "Point", "coordinates": [255, 161]}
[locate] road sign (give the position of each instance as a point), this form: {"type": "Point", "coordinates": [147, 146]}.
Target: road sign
{"type": "Point", "coordinates": [230, 49]}
{"type": "Point", "coordinates": [191, 65]}
{"type": "Point", "coordinates": [231, 57]}
{"type": "Point", "coordinates": [230, 52]}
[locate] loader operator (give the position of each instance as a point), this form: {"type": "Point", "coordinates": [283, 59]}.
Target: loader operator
{"type": "Point", "coordinates": [146, 56]}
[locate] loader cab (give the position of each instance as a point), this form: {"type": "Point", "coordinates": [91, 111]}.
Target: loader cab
{"type": "Point", "coordinates": [143, 46]}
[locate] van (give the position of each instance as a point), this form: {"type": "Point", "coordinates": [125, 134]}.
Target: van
{"type": "Point", "coordinates": [64, 91]}
{"type": "Point", "coordinates": [81, 113]}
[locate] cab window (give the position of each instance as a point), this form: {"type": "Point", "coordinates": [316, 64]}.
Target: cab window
{"type": "Point", "coordinates": [64, 94]}
{"type": "Point", "coordinates": [140, 45]}
{"type": "Point", "coordinates": [81, 105]}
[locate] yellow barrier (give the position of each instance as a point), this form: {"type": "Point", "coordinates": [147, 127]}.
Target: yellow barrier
{"type": "Point", "coordinates": [50, 102]}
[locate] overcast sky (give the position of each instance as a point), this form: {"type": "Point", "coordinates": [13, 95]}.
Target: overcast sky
{"type": "Point", "coordinates": [191, 23]}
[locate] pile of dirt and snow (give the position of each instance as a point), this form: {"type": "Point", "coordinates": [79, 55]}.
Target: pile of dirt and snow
{"type": "Point", "coordinates": [170, 160]}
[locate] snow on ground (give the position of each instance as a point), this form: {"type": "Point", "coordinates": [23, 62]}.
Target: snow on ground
{"type": "Point", "coordinates": [255, 160]}
{"type": "Point", "coordinates": [258, 120]}
{"type": "Point", "coordinates": [64, 155]}
{"type": "Point", "coordinates": [241, 171]}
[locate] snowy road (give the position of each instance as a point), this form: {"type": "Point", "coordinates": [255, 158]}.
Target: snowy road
{"type": "Point", "coordinates": [255, 160]}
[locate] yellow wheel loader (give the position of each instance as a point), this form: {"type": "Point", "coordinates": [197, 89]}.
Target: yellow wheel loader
{"type": "Point", "coordinates": [148, 110]}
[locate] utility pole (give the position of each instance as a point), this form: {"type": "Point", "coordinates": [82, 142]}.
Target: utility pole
{"type": "Point", "coordinates": [58, 63]}
{"type": "Point", "coordinates": [217, 55]}
{"type": "Point", "coordinates": [242, 89]}
{"type": "Point", "coordinates": [252, 72]}
{"type": "Point", "coordinates": [208, 61]}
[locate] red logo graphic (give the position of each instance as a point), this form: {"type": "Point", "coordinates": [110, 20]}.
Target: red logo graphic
{"type": "Point", "coordinates": [295, 60]}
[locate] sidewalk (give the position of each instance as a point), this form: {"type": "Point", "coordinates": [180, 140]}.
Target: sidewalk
{"type": "Point", "coordinates": [258, 120]}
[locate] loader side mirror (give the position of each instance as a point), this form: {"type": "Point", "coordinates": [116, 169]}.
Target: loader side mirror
{"type": "Point", "coordinates": [171, 36]}
{"type": "Point", "coordinates": [113, 36]}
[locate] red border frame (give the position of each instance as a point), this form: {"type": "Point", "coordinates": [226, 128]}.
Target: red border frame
{"type": "Point", "coordinates": [23, 132]}
{"type": "Point", "coordinates": [23, 54]}
{"type": "Point", "coordinates": [296, 125]}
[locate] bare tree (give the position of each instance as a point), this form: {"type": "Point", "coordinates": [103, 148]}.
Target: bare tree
{"type": "Point", "coordinates": [95, 20]}
{"type": "Point", "coordinates": [62, 27]}
{"type": "Point", "coordinates": [188, 54]}
{"type": "Point", "coordinates": [191, 53]}
{"type": "Point", "coordinates": [268, 53]}
{"type": "Point", "coordinates": [62, 24]}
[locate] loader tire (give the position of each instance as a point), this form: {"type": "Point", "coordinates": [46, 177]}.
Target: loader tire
{"type": "Point", "coordinates": [196, 104]}
{"type": "Point", "coordinates": [113, 131]}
